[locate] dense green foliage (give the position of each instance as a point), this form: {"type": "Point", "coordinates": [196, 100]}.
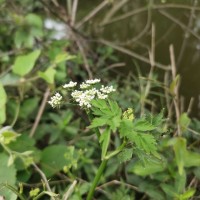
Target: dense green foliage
{"type": "Point", "coordinates": [137, 143]}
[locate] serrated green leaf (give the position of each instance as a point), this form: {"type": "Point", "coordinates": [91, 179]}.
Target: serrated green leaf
{"type": "Point", "coordinates": [48, 75]}
{"type": "Point", "coordinates": [105, 140]}
{"type": "Point", "coordinates": [108, 113]}
{"type": "Point", "coordinates": [98, 122]}
{"type": "Point", "coordinates": [25, 63]}
{"type": "Point", "coordinates": [125, 155]}
{"type": "Point", "coordinates": [126, 127]}
{"type": "Point", "coordinates": [145, 142]}
{"type": "Point", "coordinates": [143, 125]}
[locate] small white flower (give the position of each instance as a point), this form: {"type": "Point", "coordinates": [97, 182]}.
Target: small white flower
{"type": "Point", "coordinates": [84, 98]}
{"type": "Point", "coordinates": [55, 100]}
{"type": "Point", "coordinates": [94, 81]}
{"type": "Point", "coordinates": [107, 89]}
{"type": "Point", "coordinates": [101, 95]}
{"type": "Point", "coordinates": [71, 84]}
{"type": "Point", "coordinates": [84, 85]}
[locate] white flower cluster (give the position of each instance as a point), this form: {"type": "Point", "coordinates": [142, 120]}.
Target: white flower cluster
{"type": "Point", "coordinates": [84, 97]}
{"type": "Point", "coordinates": [85, 94]}
{"type": "Point", "coordinates": [71, 84]}
{"type": "Point", "coordinates": [94, 81]}
{"type": "Point", "coordinates": [55, 100]}
{"type": "Point", "coordinates": [84, 85]}
{"type": "Point", "coordinates": [107, 89]}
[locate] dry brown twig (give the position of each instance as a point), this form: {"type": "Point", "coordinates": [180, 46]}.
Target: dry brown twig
{"type": "Point", "coordinates": [40, 112]}
{"type": "Point", "coordinates": [92, 13]}
{"type": "Point", "coordinates": [144, 9]}
{"type": "Point", "coordinates": [43, 178]}
{"type": "Point", "coordinates": [176, 99]}
{"type": "Point", "coordinates": [133, 54]}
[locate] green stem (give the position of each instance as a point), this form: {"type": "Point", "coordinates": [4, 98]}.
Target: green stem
{"type": "Point", "coordinates": [96, 179]}
{"type": "Point", "coordinates": [96, 129]}
{"type": "Point", "coordinates": [118, 150]}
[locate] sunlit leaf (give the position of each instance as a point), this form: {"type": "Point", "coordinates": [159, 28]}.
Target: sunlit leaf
{"type": "Point", "coordinates": [24, 64]}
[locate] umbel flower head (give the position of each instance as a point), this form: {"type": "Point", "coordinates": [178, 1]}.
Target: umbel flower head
{"type": "Point", "coordinates": [55, 100]}
{"type": "Point", "coordinates": [85, 94]}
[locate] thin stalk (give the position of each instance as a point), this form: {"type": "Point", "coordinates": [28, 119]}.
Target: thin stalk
{"type": "Point", "coordinates": [119, 149]}
{"type": "Point", "coordinates": [96, 179]}
{"type": "Point", "coordinates": [96, 129]}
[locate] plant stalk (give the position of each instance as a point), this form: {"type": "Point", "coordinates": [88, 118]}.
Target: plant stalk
{"type": "Point", "coordinates": [96, 179]}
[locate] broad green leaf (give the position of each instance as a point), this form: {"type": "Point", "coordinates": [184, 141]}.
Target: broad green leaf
{"type": "Point", "coordinates": [25, 63]}
{"type": "Point", "coordinates": [48, 75]}
{"type": "Point", "coordinates": [3, 99]}
{"type": "Point", "coordinates": [180, 182]}
{"type": "Point", "coordinates": [192, 159]}
{"type": "Point", "coordinates": [28, 107]}
{"type": "Point", "coordinates": [9, 79]}
{"type": "Point", "coordinates": [2, 114]}
{"type": "Point", "coordinates": [169, 190]}
{"type": "Point", "coordinates": [151, 190]}
{"type": "Point", "coordinates": [20, 38]}
{"type": "Point", "coordinates": [8, 136]}
{"type": "Point", "coordinates": [180, 152]}
{"type": "Point", "coordinates": [54, 158]}
{"type": "Point", "coordinates": [25, 146]}
{"type": "Point", "coordinates": [184, 121]}
{"type": "Point", "coordinates": [186, 195]}
{"type": "Point", "coordinates": [105, 140]}
{"type": "Point", "coordinates": [152, 167]}
{"type": "Point", "coordinates": [7, 176]}
{"type": "Point", "coordinates": [3, 96]}
{"type": "Point", "coordinates": [33, 20]}
{"type": "Point", "coordinates": [184, 157]}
